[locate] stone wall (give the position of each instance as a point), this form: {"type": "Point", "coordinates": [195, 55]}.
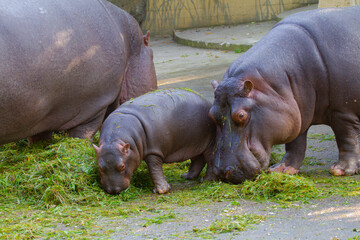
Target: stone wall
{"type": "Point", "coordinates": [162, 16]}
{"type": "Point", "coordinates": [338, 3]}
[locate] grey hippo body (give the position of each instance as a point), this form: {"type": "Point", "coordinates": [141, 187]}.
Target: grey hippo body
{"type": "Point", "coordinates": [65, 64]}
{"type": "Point", "coordinates": [164, 126]}
{"type": "Point", "coordinates": [305, 71]}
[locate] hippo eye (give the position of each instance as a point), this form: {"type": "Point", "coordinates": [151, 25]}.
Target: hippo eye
{"type": "Point", "coordinates": [240, 117]}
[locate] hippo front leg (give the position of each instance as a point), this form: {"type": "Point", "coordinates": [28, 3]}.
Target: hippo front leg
{"type": "Point", "coordinates": [209, 158]}
{"type": "Point", "coordinates": [154, 164]}
{"type": "Point", "coordinates": [292, 160]}
{"type": "Point", "coordinates": [347, 132]}
{"type": "Point", "coordinates": [197, 164]}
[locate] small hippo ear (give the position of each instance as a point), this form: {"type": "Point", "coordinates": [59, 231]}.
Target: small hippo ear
{"type": "Point", "coordinates": [97, 149]}
{"type": "Point", "coordinates": [248, 87]}
{"type": "Point", "coordinates": [124, 148]}
{"type": "Point", "coordinates": [214, 84]}
{"type": "Point", "coordinates": [146, 38]}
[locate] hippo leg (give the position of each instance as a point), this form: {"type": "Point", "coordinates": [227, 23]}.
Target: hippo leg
{"type": "Point", "coordinates": [40, 137]}
{"type": "Point", "coordinates": [292, 160]}
{"type": "Point", "coordinates": [154, 164]}
{"type": "Point", "coordinates": [88, 129]}
{"type": "Point", "coordinates": [197, 164]}
{"type": "Point", "coordinates": [210, 174]}
{"type": "Point", "coordinates": [347, 132]}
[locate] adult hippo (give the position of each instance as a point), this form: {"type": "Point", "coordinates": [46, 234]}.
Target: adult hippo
{"type": "Point", "coordinates": [64, 65]}
{"type": "Point", "coordinates": [305, 71]}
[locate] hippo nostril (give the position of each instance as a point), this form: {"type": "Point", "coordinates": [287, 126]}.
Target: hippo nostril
{"type": "Point", "coordinates": [113, 191]}
{"type": "Point", "coordinates": [227, 174]}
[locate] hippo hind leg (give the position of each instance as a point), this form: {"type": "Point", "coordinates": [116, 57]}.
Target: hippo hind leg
{"type": "Point", "coordinates": [88, 129]}
{"type": "Point", "coordinates": [196, 165]}
{"type": "Point", "coordinates": [40, 137]}
{"type": "Point", "coordinates": [346, 127]}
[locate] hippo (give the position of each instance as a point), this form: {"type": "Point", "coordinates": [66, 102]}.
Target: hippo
{"type": "Point", "coordinates": [65, 65]}
{"type": "Point", "coordinates": [305, 71]}
{"type": "Point", "coordinates": [164, 126]}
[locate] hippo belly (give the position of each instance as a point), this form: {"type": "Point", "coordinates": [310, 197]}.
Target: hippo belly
{"type": "Point", "coordinates": [63, 65]}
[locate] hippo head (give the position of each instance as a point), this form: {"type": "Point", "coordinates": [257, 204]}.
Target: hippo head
{"type": "Point", "coordinates": [251, 117]}
{"type": "Point", "coordinates": [116, 162]}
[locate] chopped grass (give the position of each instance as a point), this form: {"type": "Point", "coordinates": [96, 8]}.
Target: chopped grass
{"type": "Point", "coordinates": [61, 173]}
{"type": "Point", "coordinates": [159, 219]}
{"type": "Point", "coordinates": [51, 190]}
{"type": "Point", "coordinates": [280, 187]}
{"type": "Point", "coordinates": [233, 223]}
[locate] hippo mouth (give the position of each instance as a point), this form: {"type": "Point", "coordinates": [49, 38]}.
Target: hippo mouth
{"type": "Point", "coordinates": [248, 163]}
{"type": "Point", "coordinates": [115, 188]}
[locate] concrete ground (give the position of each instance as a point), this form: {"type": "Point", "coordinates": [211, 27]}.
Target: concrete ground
{"type": "Point", "coordinates": [184, 66]}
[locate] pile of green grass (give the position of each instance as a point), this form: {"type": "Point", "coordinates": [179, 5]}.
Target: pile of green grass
{"type": "Point", "coordinates": [60, 172]}
{"type": "Point", "coordinates": [57, 182]}
{"type": "Point", "coordinates": [280, 187]}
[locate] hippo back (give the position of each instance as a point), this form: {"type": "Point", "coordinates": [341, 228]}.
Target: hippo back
{"type": "Point", "coordinates": [330, 28]}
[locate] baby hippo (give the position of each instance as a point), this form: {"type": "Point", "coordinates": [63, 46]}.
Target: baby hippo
{"type": "Point", "coordinates": [164, 126]}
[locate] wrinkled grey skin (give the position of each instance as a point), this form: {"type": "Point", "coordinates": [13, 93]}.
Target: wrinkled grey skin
{"type": "Point", "coordinates": [305, 71]}
{"type": "Point", "coordinates": [160, 127]}
{"type": "Point", "coordinates": [65, 64]}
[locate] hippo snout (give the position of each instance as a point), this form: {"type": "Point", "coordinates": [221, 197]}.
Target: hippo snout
{"type": "Point", "coordinates": [114, 190]}
{"type": "Point", "coordinates": [230, 174]}
{"type": "Point", "coordinates": [115, 187]}
{"type": "Point", "coordinates": [234, 175]}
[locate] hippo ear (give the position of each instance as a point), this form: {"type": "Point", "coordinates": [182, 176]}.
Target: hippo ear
{"type": "Point", "coordinates": [146, 38]}
{"type": "Point", "coordinates": [97, 149]}
{"type": "Point", "coordinates": [248, 87]}
{"type": "Point", "coordinates": [124, 148]}
{"type": "Point", "coordinates": [214, 84]}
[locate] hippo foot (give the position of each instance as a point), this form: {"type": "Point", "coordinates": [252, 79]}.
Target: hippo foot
{"type": "Point", "coordinates": [209, 177]}
{"type": "Point", "coordinates": [283, 169]}
{"type": "Point", "coordinates": [337, 170]}
{"type": "Point", "coordinates": [161, 189]}
{"type": "Point", "coordinates": [188, 176]}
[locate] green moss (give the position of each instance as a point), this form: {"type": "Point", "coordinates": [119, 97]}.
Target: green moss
{"type": "Point", "coordinates": [209, 45]}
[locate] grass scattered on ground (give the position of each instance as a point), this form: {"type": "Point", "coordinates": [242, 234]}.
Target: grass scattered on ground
{"type": "Point", "coordinates": [51, 190]}
{"type": "Point", "coordinates": [159, 219]}
{"type": "Point", "coordinates": [232, 223]}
